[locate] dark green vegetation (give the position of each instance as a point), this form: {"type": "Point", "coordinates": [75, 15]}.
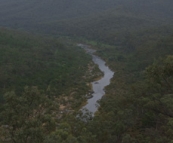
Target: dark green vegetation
{"type": "Point", "coordinates": [138, 103]}
{"type": "Point", "coordinates": [27, 118]}
{"type": "Point", "coordinates": [134, 37]}
{"type": "Point", "coordinates": [45, 63]}
{"type": "Point", "coordinates": [37, 76]}
{"type": "Point", "coordinates": [103, 20]}
{"type": "Point", "coordinates": [137, 106]}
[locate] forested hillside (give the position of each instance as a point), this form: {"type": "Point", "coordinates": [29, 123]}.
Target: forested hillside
{"type": "Point", "coordinates": [46, 63]}
{"type": "Point", "coordinates": [44, 80]}
{"type": "Point", "coordinates": [138, 103]}
{"type": "Point", "coordinates": [104, 20]}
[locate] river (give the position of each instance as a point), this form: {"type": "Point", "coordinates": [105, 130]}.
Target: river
{"type": "Point", "coordinates": [99, 85]}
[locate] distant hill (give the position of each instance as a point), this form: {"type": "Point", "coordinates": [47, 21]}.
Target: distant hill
{"type": "Point", "coordinates": [87, 17]}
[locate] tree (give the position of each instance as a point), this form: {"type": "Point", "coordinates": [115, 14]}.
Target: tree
{"type": "Point", "coordinates": [160, 86]}
{"type": "Point", "coordinates": [153, 99]}
{"type": "Point", "coordinates": [28, 117]}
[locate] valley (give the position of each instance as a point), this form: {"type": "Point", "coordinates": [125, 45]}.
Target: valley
{"type": "Point", "coordinates": [98, 86]}
{"type": "Point", "coordinates": [46, 77]}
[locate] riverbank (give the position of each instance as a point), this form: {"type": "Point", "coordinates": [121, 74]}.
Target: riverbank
{"type": "Point", "coordinates": [98, 85]}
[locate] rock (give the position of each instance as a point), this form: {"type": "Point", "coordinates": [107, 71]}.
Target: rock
{"type": "Point", "coordinates": [89, 96]}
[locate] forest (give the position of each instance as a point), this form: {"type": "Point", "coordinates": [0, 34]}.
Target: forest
{"type": "Point", "coordinates": [44, 75]}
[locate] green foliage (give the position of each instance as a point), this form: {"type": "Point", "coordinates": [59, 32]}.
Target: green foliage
{"type": "Point", "coordinates": [28, 117]}
{"type": "Point", "coordinates": [104, 21]}
{"type": "Point", "coordinates": [47, 69]}
{"type": "Point", "coordinates": [136, 108]}
{"type": "Point", "coordinates": [138, 102]}
{"type": "Point", "coordinates": [41, 62]}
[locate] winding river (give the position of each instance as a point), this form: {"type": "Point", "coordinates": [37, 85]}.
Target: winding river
{"type": "Point", "coordinates": [98, 86]}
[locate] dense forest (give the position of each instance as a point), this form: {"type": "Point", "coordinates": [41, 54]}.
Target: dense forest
{"type": "Point", "coordinates": [27, 61]}
{"type": "Point", "coordinates": [44, 76]}
{"type": "Point", "coordinates": [41, 78]}
{"type": "Point", "coordinates": [104, 20]}
{"type": "Point", "coordinates": [138, 103]}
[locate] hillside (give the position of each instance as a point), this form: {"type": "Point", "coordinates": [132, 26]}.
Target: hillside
{"type": "Point", "coordinates": [44, 80]}
{"type": "Point", "coordinates": [28, 60]}
{"type": "Point", "coordinates": [72, 18]}
{"type": "Point", "coordinates": [138, 102]}
{"type": "Point", "coordinates": [43, 83]}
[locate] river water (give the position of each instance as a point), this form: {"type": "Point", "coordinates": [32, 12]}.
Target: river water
{"type": "Point", "coordinates": [99, 85]}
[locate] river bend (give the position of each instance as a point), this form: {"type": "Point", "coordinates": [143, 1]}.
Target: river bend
{"type": "Point", "coordinates": [99, 85]}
